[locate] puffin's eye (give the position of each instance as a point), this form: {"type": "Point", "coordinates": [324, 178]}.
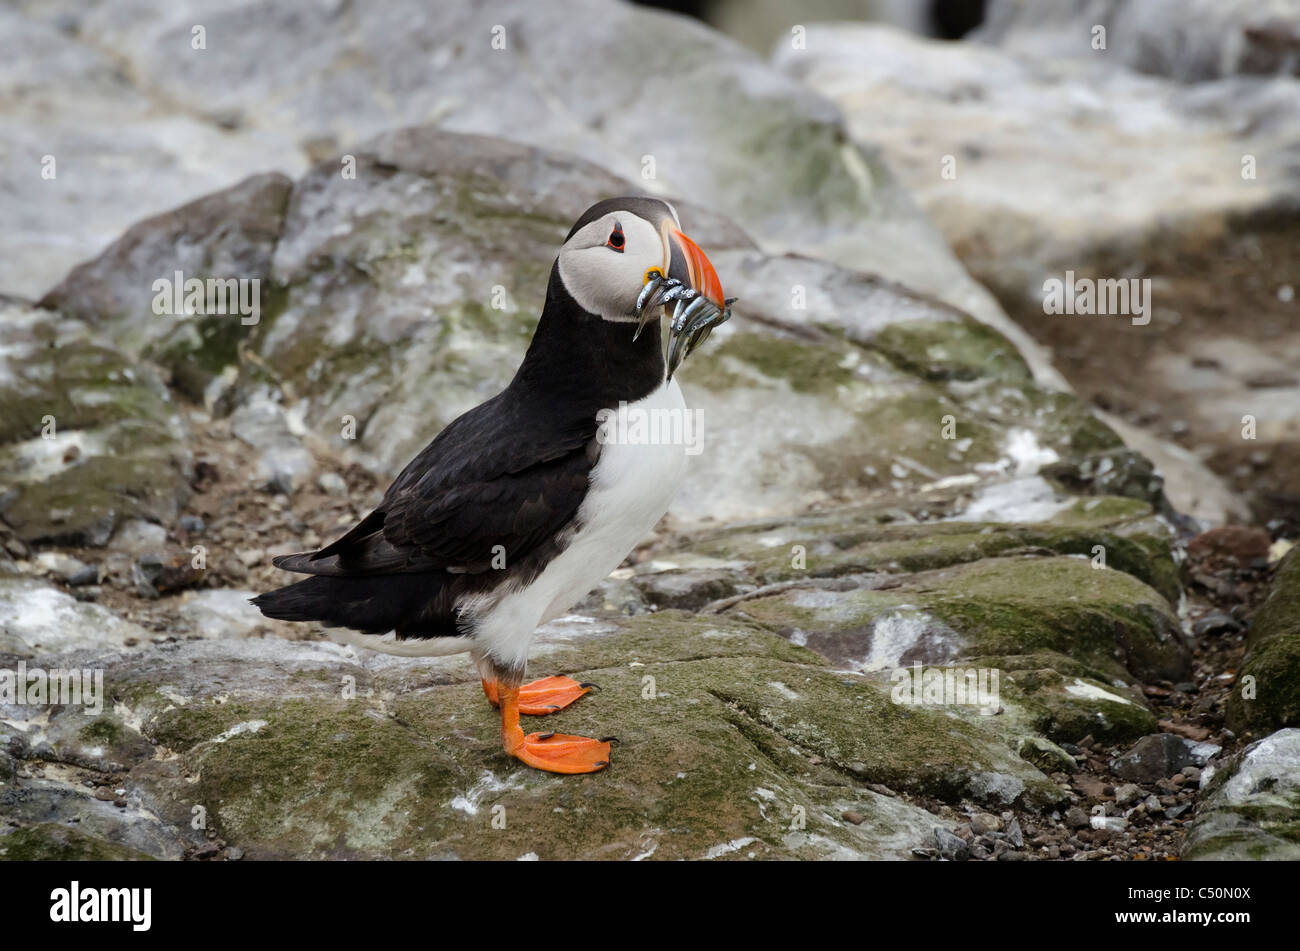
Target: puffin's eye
{"type": "Point", "coordinates": [616, 239]}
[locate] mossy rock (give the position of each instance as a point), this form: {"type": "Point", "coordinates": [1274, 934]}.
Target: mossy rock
{"type": "Point", "coordinates": [1250, 808]}
{"type": "Point", "coordinates": [49, 842]}
{"type": "Point", "coordinates": [733, 743]}
{"type": "Point", "coordinates": [88, 438]}
{"type": "Point", "coordinates": [854, 541]}
{"type": "Point", "coordinates": [1118, 626]}
{"type": "Point", "coordinates": [1270, 698]}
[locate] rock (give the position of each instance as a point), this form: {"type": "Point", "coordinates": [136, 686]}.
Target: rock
{"type": "Point", "coordinates": [284, 464]}
{"type": "Point", "coordinates": [1216, 622]}
{"type": "Point", "coordinates": [685, 589]}
{"type": "Point", "coordinates": [1153, 758]}
{"type": "Point", "coordinates": [1129, 792]}
{"type": "Point", "coordinates": [1251, 806]}
{"type": "Point", "coordinates": [41, 617]}
{"type": "Point", "coordinates": [1216, 38]}
{"type": "Point", "coordinates": [1021, 210]}
{"type": "Point", "coordinates": [53, 842]}
{"type": "Point", "coordinates": [876, 364]}
{"type": "Point", "coordinates": [331, 483]}
{"type": "Point", "coordinates": [941, 616]}
{"type": "Point", "coordinates": [88, 440]}
{"type": "Point", "coordinates": [1231, 547]}
{"type": "Point", "coordinates": [1076, 818]}
{"type": "Point", "coordinates": [64, 567]}
{"type": "Point", "coordinates": [1015, 835]}
{"type": "Point", "coordinates": [950, 846]}
{"type": "Point", "coordinates": [138, 537]}
{"type": "Point", "coordinates": [983, 823]}
{"type": "Point", "coordinates": [818, 194]}
{"type": "Point", "coordinates": [222, 614]}
{"type": "Point", "coordinates": [1267, 692]}
{"type": "Point", "coordinates": [224, 705]}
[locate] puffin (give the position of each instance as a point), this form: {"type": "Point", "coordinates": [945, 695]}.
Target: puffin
{"type": "Point", "coordinates": [522, 505]}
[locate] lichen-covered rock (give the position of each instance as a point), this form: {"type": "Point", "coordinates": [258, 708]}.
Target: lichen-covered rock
{"type": "Point", "coordinates": [733, 743]}
{"type": "Point", "coordinates": [88, 438]}
{"type": "Point", "coordinates": [1252, 805]}
{"type": "Point", "coordinates": [1193, 207]}
{"type": "Point", "coordinates": [405, 296]}
{"type": "Point", "coordinates": [1117, 626]}
{"type": "Point", "coordinates": [1267, 693]}
{"type": "Point", "coordinates": [883, 537]}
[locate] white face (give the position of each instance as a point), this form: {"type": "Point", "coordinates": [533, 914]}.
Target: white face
{"type": "Point", "coordinates": [604, 264]}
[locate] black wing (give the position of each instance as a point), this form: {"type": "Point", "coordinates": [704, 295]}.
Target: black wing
{"type": "Point", "coordinates": [498, 482]}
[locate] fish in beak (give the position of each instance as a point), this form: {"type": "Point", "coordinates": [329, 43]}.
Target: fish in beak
{"type": "Point", "coordinates": [688, 282]}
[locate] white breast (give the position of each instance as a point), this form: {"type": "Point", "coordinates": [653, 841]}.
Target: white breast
{"type": "Point", "coordinates": [632, 485]}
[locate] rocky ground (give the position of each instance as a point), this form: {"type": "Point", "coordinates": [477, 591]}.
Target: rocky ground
{"type": "Point", "coordinates": [893, 478]}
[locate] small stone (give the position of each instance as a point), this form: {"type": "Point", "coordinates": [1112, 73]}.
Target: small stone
{"type": "Point", "coordinates": [250, 557]}
{"type": "Point", "coordinates": [234, 853]}
{"type": "Point", "coordinates": [983, 823]}
{"type": "Point", "coordinates": [848, 815]}
{"type": "Point", "coordinates": [1152, 805]}
{"type": "Point", "coordinates": [1192, 774]}
{"type": "Point", "coordinates": [1014, 834]}
{"type": "Point", "coordinates": [950, 846]}
{"type": "Point", "coordinates": [88, 575]}
{"type": "Point", "coordinates": [331, 483]}
{"type": "Point", "coordinates": [104, 794]}
{"type": "Point", "coordinates": [1152, 758]}
{"type": "Point", "coordinates": [192, 524]}
{"type": "Point", "coordinates": [1076, 818]}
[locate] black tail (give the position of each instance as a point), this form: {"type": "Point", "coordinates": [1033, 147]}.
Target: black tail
{"type": "Point", "coordinates": [409, 604]}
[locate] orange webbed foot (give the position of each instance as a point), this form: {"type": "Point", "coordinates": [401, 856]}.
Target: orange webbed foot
{"type": "Point", "coordinates": [562, 753]}
{"type": "Point", "coordinates": [542, 696]}
{"type": "Point", "coordinates": [553, 752]}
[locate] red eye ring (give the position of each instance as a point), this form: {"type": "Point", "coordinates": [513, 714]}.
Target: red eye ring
{"type": "Point", "coordinates": [616, 240]}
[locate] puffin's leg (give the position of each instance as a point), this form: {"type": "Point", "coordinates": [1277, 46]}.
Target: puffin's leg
{"type": "Point", "coordinates": [553, 752]}
{"type": "Point", "coordinates": [541, 696]}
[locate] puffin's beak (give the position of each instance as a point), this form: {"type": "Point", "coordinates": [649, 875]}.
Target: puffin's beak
{"type": "Point", "coordinates": [688, 264]}
{"type": "Point", "coordinates": [688, 277]}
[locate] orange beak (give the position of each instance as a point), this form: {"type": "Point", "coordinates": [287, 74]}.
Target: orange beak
{"type": "Point", "coordinates": [690, 265]}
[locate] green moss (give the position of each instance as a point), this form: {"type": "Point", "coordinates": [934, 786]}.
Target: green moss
{"type": "Point", "coordinates": [1106, 619]}
{"type": "Point", "coordinates": [103, 730]}
{"type": "Point", "coordinates": [952, 350]}
{"type": "Point", "coordinates": [851, 542]}
{"type": "Point", "coordinates": [1272, 658]}
{"type": "Point", "coordinates": [48, 842]}
{"type": "Point", "coordinates": [806, 367]}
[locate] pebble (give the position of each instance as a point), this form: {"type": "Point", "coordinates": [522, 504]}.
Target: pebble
{"type": "Point", "coordinates": [331, 483]}
{"type": "Point", "coordinates": [1014, 834]}
{"type": "Point", "coordinates": [88, 575]}
{"type": "Point", "coordinates": [983, 823]}
{"type": "Point", "coordinates": [1129, 792]}
{"type": "Point", "coordinates": [950, 846]}
{"type": "Point", "coordinates": [848, 815]}
{"type": "Point", "coordinates": [1076, 818]}
{"type": "Point", "coordinates": [250, 557]}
